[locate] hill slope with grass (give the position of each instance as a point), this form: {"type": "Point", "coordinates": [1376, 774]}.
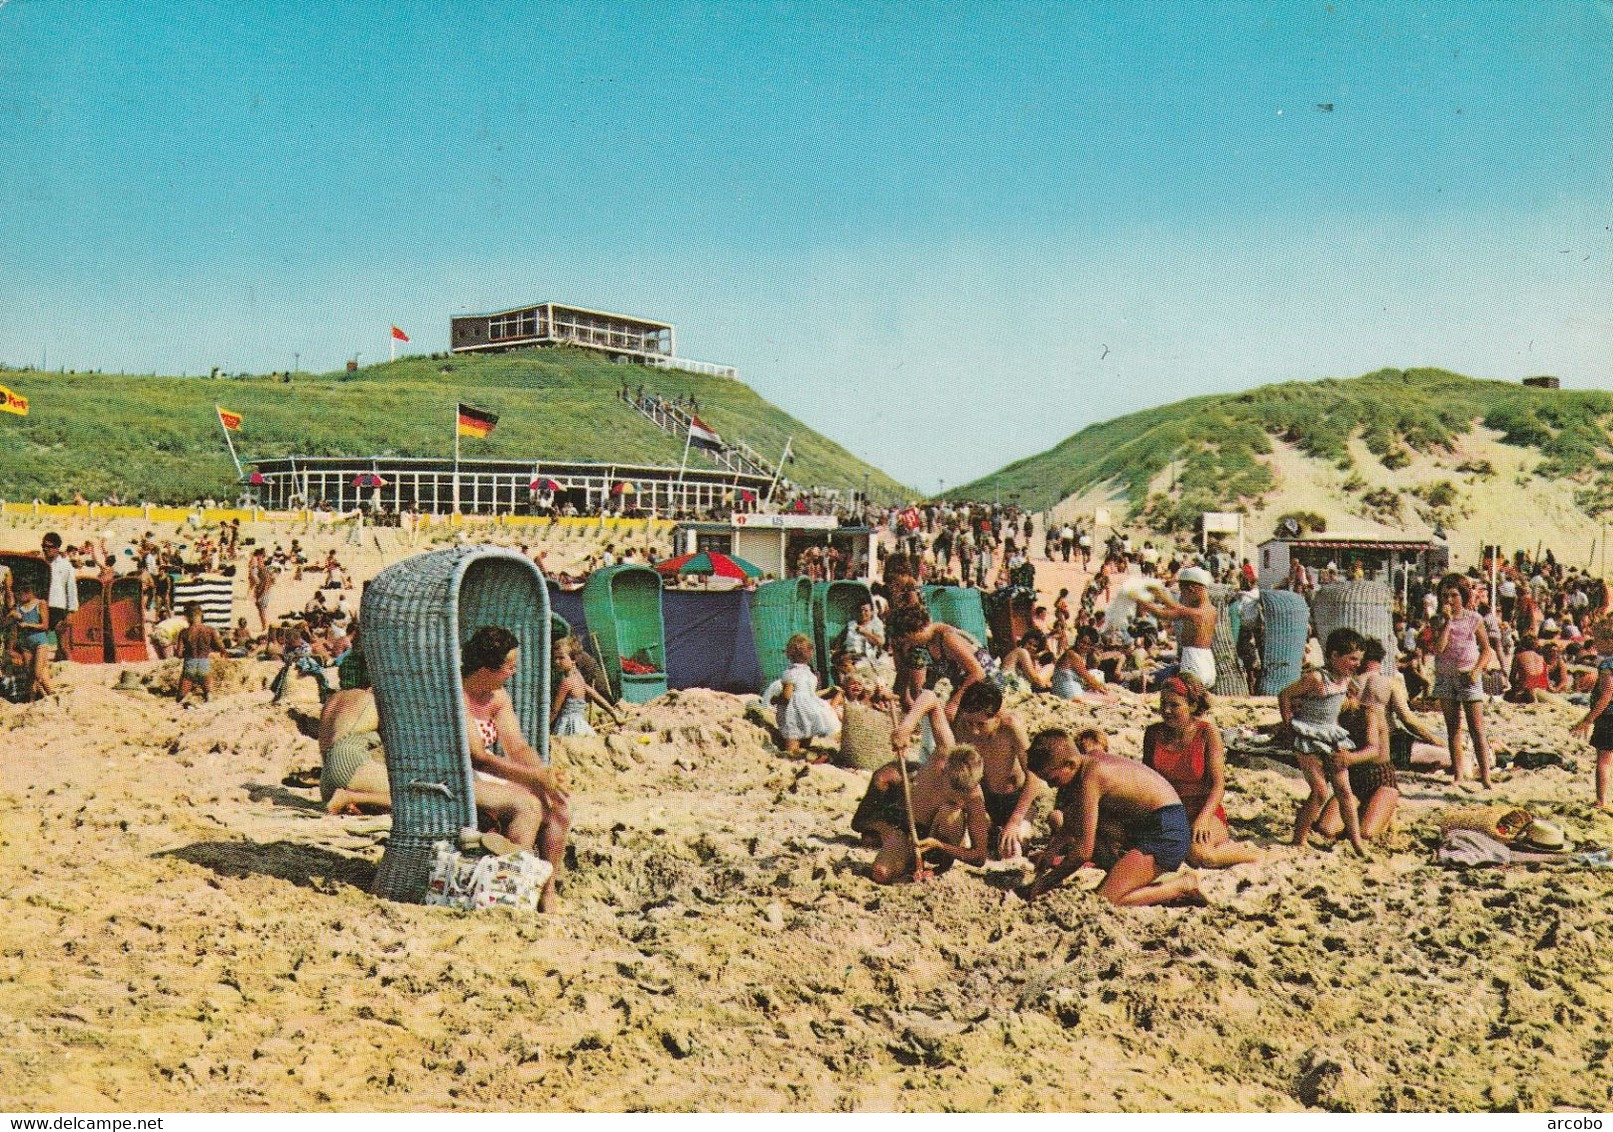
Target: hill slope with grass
{"type": "Point", "coordinates": [156, 438]}
{"type": "Point", "coordinates": [1392, 450]}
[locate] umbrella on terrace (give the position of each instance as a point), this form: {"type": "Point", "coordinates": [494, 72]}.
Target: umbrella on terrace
{"type": "Point", "coordinates": [544, 484]}
{"type": "Point", "coordinates": [706, 562]}
{"type": "Point", "coordinates": [368, 479]}
{"type": "Point", "coordinates": [257, 479]}
{"type": "Point", "coordinates": [624, 488]}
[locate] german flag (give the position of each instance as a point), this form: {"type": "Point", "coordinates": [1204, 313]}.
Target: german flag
{"type": "Point", "coordinates": [230, 421]}
{"type": "Point", "coordinates": [475, 422]}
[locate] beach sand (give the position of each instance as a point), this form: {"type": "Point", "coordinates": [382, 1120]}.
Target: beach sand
{"type": "Point", "coordinates": [182, 930]}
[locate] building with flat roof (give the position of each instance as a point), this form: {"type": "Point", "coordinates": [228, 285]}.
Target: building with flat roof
{"type": "Point", "coordinates": [556, 324]}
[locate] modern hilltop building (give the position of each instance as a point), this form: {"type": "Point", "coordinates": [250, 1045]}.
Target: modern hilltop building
{"type": "Point", "coordinates": [622, 337]}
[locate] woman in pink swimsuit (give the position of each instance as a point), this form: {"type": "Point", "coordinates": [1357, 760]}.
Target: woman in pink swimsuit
{"type": "Point", "coordinates": [512, 784]}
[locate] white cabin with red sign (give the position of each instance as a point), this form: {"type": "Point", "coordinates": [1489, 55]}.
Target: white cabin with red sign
{"type": "Point", "coordinates": [774, 542]}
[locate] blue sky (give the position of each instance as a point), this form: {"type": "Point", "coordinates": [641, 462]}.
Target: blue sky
{"type": "Point", "coordinates": [947, 235]}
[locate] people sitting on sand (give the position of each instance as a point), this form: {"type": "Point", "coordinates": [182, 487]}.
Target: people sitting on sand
{"type": "Point", "coordinates": [198, 643]}
{"type": "Point", "coordinates": [512, 785]}
{"type": "Point", "coordinates": [352, 773]}
{"type": "Point", "coordinates": [798, 712]}
{"type": "Point", "coordinates": [35, 640]}
{"type": "Point", "coordinates": [1077, 672]}
{"type": "Point", "coordinates": [1527, 678]}
{"type": "Point", "coordinates": [569, 714]}
{"type": "Point", "coordinates": [1094, 785]}
{"type": "Point", "coordinates": [948, 810]}
{"type": "Point", "coordinates": [1023, 664]}
{"type": "Point", "coordinates": [1310, 713]}
{"type": "Point", "coordinates": [1186, 748]}
{"type": "Point", "coordinates": [1011, 791]}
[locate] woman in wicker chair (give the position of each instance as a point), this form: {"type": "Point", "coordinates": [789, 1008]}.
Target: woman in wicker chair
{"type": "Point", "coordinates": [512, 784]}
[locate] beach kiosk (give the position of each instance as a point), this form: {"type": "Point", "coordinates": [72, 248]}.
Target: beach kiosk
{"type": "Point", "coordinates": [1381, 557]}
{"type": "Point", "coordinates": [775, 542]}
{"type": "Point", "coordinates": [622, 605]}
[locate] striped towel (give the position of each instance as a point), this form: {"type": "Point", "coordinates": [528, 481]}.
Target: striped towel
{"type": "Point", "coordinates": [215, 595]}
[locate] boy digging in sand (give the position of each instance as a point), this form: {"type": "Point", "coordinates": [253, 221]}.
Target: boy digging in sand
{"type": "Point", "coordinates": [1092, 783]}
{"type": "Point", "coordinates": [1010, 790]}
{"type": "Point", "coordinates": [948, 807]}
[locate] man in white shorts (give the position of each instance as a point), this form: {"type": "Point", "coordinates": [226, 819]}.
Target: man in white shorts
{"type": "Point", "coordinates": [1194, 618]}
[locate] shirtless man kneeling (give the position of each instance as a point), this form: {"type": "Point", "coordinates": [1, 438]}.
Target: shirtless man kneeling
{"type": "Point", "coordinates": [1124, 791]}
{"type": "Point", "coordinates": [1010, 790]}
{"type": "Point", "coordinates": [1194, 618]}
{"type": "Point", "coordinates": [947, 807]}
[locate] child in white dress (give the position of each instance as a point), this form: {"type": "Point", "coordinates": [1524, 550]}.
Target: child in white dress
{"type": "Point", "coordinates": [801, 716]}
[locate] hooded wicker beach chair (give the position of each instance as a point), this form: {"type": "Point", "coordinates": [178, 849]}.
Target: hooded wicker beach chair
{"type": "Point", "coordinates": [1229, 677]}
{"type": "Point", "coordinates": [417, 615]}
{"type": "Point", "coordinates": [1365, 606]}
{"type": "Point", "coordinates": [778, 611]}
{"type": "Point", "coordinates": [834, 606]}
{"type": "Point", "coordinates": [960, 607]}
{"type": "Point", "coordinates": [1287, 617]}
{"type": "Point", "coordinates": [623, 607]}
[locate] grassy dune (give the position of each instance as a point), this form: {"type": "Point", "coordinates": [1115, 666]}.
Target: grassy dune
{"type": "Point", "coordinates": [1217, 443]}
{"type": "Point", "coordinates": [157, 438]}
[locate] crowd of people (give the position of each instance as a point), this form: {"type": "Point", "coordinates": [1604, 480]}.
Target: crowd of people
{"type": "Point", "coordinates": [981, 787]}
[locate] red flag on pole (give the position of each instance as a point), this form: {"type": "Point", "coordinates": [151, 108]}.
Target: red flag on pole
{"type": "Point", "coordinates": [399, 335]}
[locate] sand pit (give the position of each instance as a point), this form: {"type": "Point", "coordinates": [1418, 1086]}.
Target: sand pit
{"type": "Point", "coordinates": [183, 929]}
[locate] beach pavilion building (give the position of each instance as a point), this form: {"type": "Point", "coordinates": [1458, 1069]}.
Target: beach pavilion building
{"type": "Point", "coordinates": [498, 487]}
{"type": "Point", "coordinates": [622, 337]}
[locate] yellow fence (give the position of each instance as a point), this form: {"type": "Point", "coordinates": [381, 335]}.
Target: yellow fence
{"type": "Point", "coordinates": [153, 514]}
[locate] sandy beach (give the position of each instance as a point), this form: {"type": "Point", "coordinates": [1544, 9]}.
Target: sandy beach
{"type": "Point", "coordinates": [183, 928]}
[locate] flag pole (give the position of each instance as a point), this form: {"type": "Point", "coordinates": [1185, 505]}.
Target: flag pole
{"type": "Point", "coordinates": [392, 341]}
{"type": "Point", "coordinates": [779, 470]}
{"type": "Point", "coordinates": [230, 444]}
{"type": "Point", "coordinates": [456, 457]}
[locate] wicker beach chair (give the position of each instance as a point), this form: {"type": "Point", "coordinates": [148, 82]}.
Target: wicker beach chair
{"type": "Point", "coordinates": [417, 614]}
{"type": "Point", "coordinates": [1365, 606]}
{"type": "Point", "coordinates": [1287, 617]}
{"type": "Point", "coordinates": [834, 606]}
{"type": "Point", "coordinates": [778, 611]}
{"type": "Point", "coordinates": [1229, 677]}
{"type": "Point", "coordinates": [960, 607]}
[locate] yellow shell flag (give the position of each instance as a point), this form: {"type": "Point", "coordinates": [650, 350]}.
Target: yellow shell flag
{"type": "Point", "coordinates": [13, 402]}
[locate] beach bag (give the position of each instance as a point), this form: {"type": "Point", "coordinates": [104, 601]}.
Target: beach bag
{"type": "Point", "coordinates": [865, 738]}
{"type": "Point", "coordinates": [462, 880]}
{"type": "Point", "coordinates": [1495, 682]}
{"type": "Point", "coordinates": [1504, 823]}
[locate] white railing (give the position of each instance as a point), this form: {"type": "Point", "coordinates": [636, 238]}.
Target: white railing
{"type": "Point", "coordinates": [736, 456]}
{"type": "Point", "coordinates": [689, 365]}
